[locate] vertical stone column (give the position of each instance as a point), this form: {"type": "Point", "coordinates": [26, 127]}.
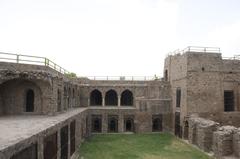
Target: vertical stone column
{"type": "Point", "coordinates": [103, 102]}
{"type": "Point", "coordinates": [69, 142]}
{"type": "Point", "coordinates": [40, 147]}
{"type": "Point", "coordinates": [104, 123]}
{"type": "Point", "coordinates": [59, 144]}
{"type": "Point", "coordinates": [120, 123]}
{"type": "Point", "coordinates": [119, 101]}
{"type": "Point", "coordinates": [88, 100]}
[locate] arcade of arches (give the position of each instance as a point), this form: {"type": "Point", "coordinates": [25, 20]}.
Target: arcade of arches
{"type": "Point", "coordinates": [111, 98]}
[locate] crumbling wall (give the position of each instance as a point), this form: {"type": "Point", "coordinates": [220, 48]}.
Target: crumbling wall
{"type": "Point", "coordinates": [205, 129]}
{"type": "Point", "coordinates": [223, 141]}
{"type": "Point", "coordinates": [236, 143]}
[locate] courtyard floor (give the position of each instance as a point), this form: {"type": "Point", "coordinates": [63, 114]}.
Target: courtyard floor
{"type": "Point", "coordinates": [138, 146]}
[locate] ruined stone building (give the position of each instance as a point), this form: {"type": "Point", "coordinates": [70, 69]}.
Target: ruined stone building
{"type": "Point", "coordinates": [46, 114]}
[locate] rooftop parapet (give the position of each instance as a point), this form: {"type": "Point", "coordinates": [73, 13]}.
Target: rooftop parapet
{"type": "Point", "coordinates": [124, 78]}
{"type": "Point", "coordinates": [199, 49]}
{"type": "Point", "coordinates": [33, 60]}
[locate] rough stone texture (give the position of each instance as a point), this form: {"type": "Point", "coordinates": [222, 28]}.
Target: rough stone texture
{"type": "Point", "coordinates": [205, 129]}
{"type": "Point", "coordinates": [22, 131]}
{"type": "Point", "coordinates": [201, 77]}
{"type": "Point", "coordinates": [223, 141]}
{"type": "Point", "coordinates": [236, 143]}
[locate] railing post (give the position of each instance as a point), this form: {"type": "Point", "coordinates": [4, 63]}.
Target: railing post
{"type": "Point", "coordinates": [17, 58]}
{"type": "Point", "coordinates": [45, 61]}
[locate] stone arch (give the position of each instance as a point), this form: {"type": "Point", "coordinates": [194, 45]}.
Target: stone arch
{"type": "Point", "coordinates": [111, 98]}
{"type": "Point", "coordinates": [95, 98]}
{"type": "Point", "coordinates": [96, 123]}
{"type": "Point", "coordinates": [112, 124]}
{"type": "Point", "coordinates": [126, 98]}
{"type": "Point", "coordinates": [20, 95]}
{"type": "Point", "coordinates": [157, 123]}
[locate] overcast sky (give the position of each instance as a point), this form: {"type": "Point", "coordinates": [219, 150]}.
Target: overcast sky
{"type": "Point", "coordinates": [117, 37]}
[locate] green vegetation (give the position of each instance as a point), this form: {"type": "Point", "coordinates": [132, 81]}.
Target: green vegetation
{"type": "Point", "coordinates": [138, 146]}
{"type": "Point", "coordinates": [71, 75]}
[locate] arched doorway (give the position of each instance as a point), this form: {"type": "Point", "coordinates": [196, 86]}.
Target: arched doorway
{"type": "Point", "coordinates": [186, 130]}
{"type": "Point", "coordinates": [129, 125]}
{"type": "Point", "coordinates": [127, 98]}
{"type": "Point", "coordinates": [112, 124]}
{"type": "Point", "coordinates": [111, 98]}
{"type": "Point", "coordinates": [29, 100]}
{"type": "Point", "coordinates": [157, 123]}
{"type": "Point", "coordinates": [96, 124]}
{"type": "Point", "coordinates": [95, 98]}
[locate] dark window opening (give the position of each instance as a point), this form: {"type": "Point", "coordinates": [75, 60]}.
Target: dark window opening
{"type": "Point", "coordinates": [50, 147]}
{"type": "Point", "coordinates": [203, 69]}
{"type": "Point", "coordinates": [72, 137]}
{"type": "Point", "coordinates": [64, 142]}
{"type": "Point", "coordinates": [178, 97]}
{"type": "Point", "coordinates": [111, 98]}
{"type": "Point", "coordinates": [30, 101]}
{"type": "Point", "coordinates": [127, 98]}
{"type": "Point", "coordinates": [112, 124]}
{"type": "Point", "coordinates": [95, 98]}
{"type": "Point", "coordinates": [96, 124]}
{"type": "Point", "coordinates": [129, 125]}
{"type": "Point", "coordinates": [177, 125]}
{"type": "Point", "coordinates": [29, 153]}
{"type": "Point", "coordinates": [228, 101]}
{"type": "Point", "coordinates": [59, 100]}
{"type": "Point", "coordinates": [157, 123]}
{"type": "Point", "coordinates": [166, 75]}
{"type": "Point", "coordinates": [73, 93]}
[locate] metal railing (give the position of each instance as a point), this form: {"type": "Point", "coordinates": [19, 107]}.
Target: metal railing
{"type": "Point", "coordinates": [124, 78]}
{"type": "Point", "coordinates": [196, 49]}
{"type": "Point", "coordinates": [36, 60]}
{"type": "Point", "coordinates": [235, 57]}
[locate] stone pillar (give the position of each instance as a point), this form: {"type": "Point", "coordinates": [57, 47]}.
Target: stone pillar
{"type": "Point", "coordinates": [40, 147]}
{"type": "Point", "coordinates": [119, 101]}
{"type": "Point", "coordinates": [59, 144]}
{"type": "Point", "coordinates": [120, 123]}
{"type": "Point", "coordinates": [88, 101]}
{"type": "Point", "coordinates": [69, 142]}
{"type": "Point", "coordinates": [103, 102]}
{"type": "Point", "coordinates": [104, 123]}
